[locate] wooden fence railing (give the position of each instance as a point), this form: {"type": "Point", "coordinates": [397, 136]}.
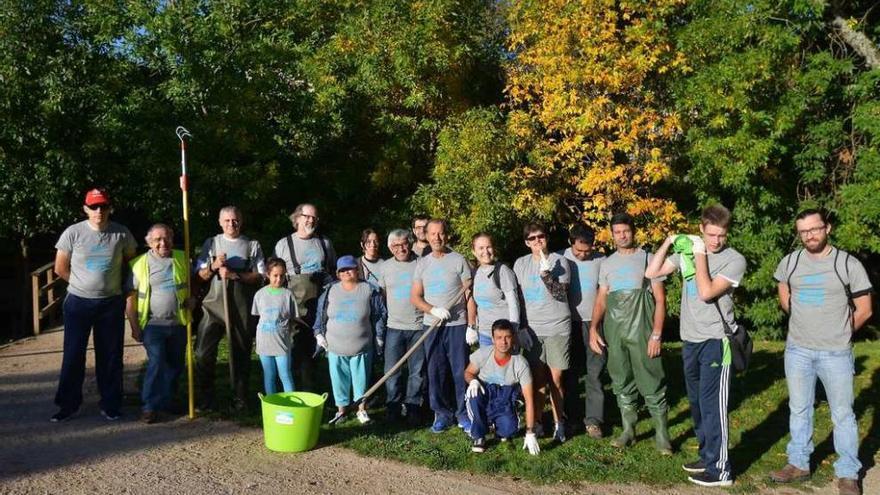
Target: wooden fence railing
{"type": "Point", "coordinates": [39, 288]}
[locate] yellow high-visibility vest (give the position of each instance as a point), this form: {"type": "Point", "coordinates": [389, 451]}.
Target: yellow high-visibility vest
{"type": "Point", "coordinates": [141, 270]}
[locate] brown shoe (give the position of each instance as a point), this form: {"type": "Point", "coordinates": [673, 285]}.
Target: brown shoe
{"type": "Point", "coordinates": [594, 431]}
{"type": "Point", "coordinates": [149, 417]}
{"type": "Point", "coordinates": [788, 474]}
{"type": "Point", "coordinates": [848, 486]}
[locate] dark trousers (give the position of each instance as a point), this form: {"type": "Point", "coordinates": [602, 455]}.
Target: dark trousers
{"type": "Point", "coordinates": [166, 351]}
{"type": "Point", "coordinates": [397, 342]}
{"type": "Point", "coordinates": [589, 365]}
{"type": "Point", "coordinates": [497, 406]}
{"type": "Point", "coordinates": [106, 316]}
{"type": "Point", "coordinates": [304, 346]}
{"type": "Point", "coordinates": [707, 379]}
{"type": "Point", "coordinates": [210, 332]}
{"type": "Point", "coordinates": [447, 358]}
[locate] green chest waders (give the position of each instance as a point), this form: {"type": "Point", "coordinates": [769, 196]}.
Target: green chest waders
{"type": "Point", "coordinates": [305, 293]}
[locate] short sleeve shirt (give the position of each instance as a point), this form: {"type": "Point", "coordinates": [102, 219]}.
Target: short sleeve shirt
{"type": "Point", "coordinates": [309, 254]}
{"type": "Point", "coordinates": [490, 299]}
{"type": "Point", "coordinates": [396, 279]}
{"type": "Point", "coordinates": [626, 272]}
{"type": "Point", "coordinates": [442, 278]}
{"type": "Point", "coordinates": [820, 314]}
{"type": "Point", "coordinates": [242, 254]}
{"type": "Point", "coordinates": [513, 372]}
{"type": "Point", "coordinates": [700, 320]}
{"type": "Point", "coordinates": [545, 315]}
{"type": "Point", "coordinates": [372, 269]}
{"type": "Point", "coordinates": [96, 258]}
{"type": "Point", "coordinates": [275, 307]}
{"type": "Point", "coordinates": [584, 284]}
{"type": "Point", "coordinates": [163, 290]}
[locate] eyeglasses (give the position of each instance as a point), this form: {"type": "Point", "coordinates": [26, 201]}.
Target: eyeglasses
{"type": "Point", "coordinates": [811, 232]}
{"type": "Point", "coordinates": [102, 207]}
{"type": "Point", "coordinates": [536, 237]}
{"type": "Point", "coordinates": [314, 218]}
{"type": "Point", "coordinates": [399, 246]}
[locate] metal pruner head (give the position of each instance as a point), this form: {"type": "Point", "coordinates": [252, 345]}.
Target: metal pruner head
{"type": "Point", "coordinates": [182, 133]}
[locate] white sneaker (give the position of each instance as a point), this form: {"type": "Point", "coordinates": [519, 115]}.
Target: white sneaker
{"type": "Point", "coordinates": [363, 417]}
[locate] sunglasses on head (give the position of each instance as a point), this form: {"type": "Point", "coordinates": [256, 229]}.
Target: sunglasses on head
{"type": "Point", "coordinates": [535, 237]}
{"type": "Point", "coordinates": [102, 206]}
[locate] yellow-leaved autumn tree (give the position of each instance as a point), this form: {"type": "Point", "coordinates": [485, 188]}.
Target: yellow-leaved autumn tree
{"type": "Point", "coordinates": [588, 113]}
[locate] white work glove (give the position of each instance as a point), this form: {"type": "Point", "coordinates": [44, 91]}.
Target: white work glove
{"type": "Point", "coordinates": [531, 444]}
{"type": "Point", "coordinates": [474, 389]}
{"type": "Point", "coordinates": [472, 336]}
{"type": "Point", "coordinates": [321, 340]}
{"type": "Point", "coordinates": [441, 313]}
{"type": "Point", "coordinates": [525, 338]}
{"type": "Point", "coordinates": [545, 264]}
{"type": "Point", "coordinates": [699, 247]}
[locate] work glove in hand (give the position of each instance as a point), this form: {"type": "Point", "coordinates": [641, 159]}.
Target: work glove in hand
{"type": "Point", "coordinates": [472, 336]}
{"type": "Point", "coordinates": [531, 444]}
{"type": "Point", "coordinates": [474, 389]}
{"type": "Point", "coordinates": [524, 337]}
{"type": "Point", "coordinates": [545, 264]}
{"type": "Point", "coordinates": [684, 246]}
{"type": "Point", "coordinates": [380, 347]}
{"type": "Point", "coordinates": [441, 313]}
{"type": "Point", "coordinates": [699, 247]}
{"type": "Point", "coordinates": [321, 341]}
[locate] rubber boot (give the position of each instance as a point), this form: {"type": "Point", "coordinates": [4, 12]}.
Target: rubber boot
{"type": "Point", "coordinates": [661, 433]}
{"type": "Point", "coordinates": [629, 416]}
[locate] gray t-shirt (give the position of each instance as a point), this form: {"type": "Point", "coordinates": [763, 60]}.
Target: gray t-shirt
{"type": "Point", "coordinates": [820, 314]}
{"type": "Point", "coordinates": [513, 372]}
{"type": "Point", "coordinates": [242, 253]}
{"type": "Point", "coordinates": [163, 290]}
{"type": "Point", "coordinates": [96, 258]}
{"type": "Point", "coordinates": [700, 320]}
{"type": "Point", "coordinates": [491, 302]}
{"type": "Point", "coordinates": [626, 272]}
{"type": "Point", "coordinates": [584, 284]}
{"type": "Point", "coordinates": [545, 315]}
{"type": "Point", "coordinates": [372, 269]}
{"type": "Point", "coordinates": [349, 331]}
{"type": "Point", "coordinates": [275, 307]}
{"type": "Point", "coordinates": [308, 253]}
{"type": "Point", "coordinates": [397, 278]}
{"type": "Point", "coordinates": [442, 278]}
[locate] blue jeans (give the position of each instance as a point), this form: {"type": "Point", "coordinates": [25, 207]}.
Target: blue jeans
{"type": "Point", "coordinates": [275, 367]}
{"type": "Point", "coordinates": [397, 342]}
{"type": "Point", "coordinates": [107, 317]}
{"type": "Point", "coordinates": [447, 354]}
{"type": "Point", "coordinates": [836, 370]}
{"type": "Point", "coordinates": [166, 348]}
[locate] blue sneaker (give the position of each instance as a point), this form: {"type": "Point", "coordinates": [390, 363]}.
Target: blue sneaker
{"type": "Point", "coordinates": [465, 425]}
{"type": "Point", "coordinates": [439, 426]}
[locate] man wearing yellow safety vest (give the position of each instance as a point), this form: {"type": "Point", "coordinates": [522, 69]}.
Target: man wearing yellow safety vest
{"type": "Point", "coordinates": [158, 310]}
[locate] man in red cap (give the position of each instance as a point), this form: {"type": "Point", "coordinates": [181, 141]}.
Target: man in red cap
{"type": "Point", "coordinates": [90, 257]}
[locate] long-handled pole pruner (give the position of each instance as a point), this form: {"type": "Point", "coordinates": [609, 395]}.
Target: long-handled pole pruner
{"type": "Point", "coordinates": [182, 133]}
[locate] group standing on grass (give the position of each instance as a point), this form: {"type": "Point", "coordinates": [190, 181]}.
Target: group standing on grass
{"type": "Point", "coordinates": [553, 318]}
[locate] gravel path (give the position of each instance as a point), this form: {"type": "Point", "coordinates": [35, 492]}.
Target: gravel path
{"type": "Point", "coordinates": [91, 455]}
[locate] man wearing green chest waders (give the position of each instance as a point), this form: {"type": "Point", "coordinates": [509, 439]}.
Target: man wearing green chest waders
{"type": "Point", "coordinates": [632, 309]}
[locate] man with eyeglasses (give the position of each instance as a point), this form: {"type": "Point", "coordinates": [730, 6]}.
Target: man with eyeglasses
{"type": "Point", "coordinates": [420, 246]}
{"type": "Point", "coordinates": [404, 328]}
{"type": "Point", "coordinates": [235, 260]}
{"type": "Point", "coordinates": [91, 256]}
{"type": "Point", "coordinates": [543, 279]}
{"type": "Point", "coordinates": [827, 295]}
{"type": "Point", "coordinates": [311, 264]}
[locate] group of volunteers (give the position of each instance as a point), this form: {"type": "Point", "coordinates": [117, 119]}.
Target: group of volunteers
{"type": "Point", "coordinates": [539, 327]}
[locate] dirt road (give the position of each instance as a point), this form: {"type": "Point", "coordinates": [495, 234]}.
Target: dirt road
{"type": "Point", "coordinates": [91, 455]}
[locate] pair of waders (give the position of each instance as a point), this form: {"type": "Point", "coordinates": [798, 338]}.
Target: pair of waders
{"type": "Point", "coordinates": [212, 328]}
{"type": "Point", "coordinates": [627, 326]}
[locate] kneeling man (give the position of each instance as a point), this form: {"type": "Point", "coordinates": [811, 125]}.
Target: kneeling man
{"type": "Point", "coordinates": [496, 379]}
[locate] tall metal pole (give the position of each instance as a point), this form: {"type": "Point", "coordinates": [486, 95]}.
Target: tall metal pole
{"type": "Point", "coordinates": [182, 133]}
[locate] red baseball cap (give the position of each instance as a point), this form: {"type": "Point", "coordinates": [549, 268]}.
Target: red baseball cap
{"type": "Point", "coordinates": [97, 197]}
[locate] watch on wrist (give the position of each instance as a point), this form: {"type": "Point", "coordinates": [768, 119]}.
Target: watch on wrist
{"type": "Point", "coordinates": [655, 337]}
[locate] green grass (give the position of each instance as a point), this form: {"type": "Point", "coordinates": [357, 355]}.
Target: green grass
{"type": "Point", "coordinates": [758, 432]}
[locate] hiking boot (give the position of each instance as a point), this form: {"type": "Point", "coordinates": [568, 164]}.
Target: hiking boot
{"type": "Point", "coordinates": [706, 479]}
{"type": "Point", "coordinates": [848, 486]}
{"type": "Point", "coordinates": [111, 414]}
{"type": "Point", "coordinates": [62, 415]}
{"type": "Point", "coordinates": [149, 417]}
{"type": "Point", "coordinates": [479, 445]}
{"type": "Point", "coordinates": [594, 431]}
{"type": "Point", "coordinates": [789, 474]}
{"type": "Point", "coordinates": [694, 467]}
{"type": "Point", "coordinates": [627, 437]}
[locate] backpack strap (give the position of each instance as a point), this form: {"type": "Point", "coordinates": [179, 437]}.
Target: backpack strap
{"type": "Point", "coordinates": [322, 241]}
{"type": "Point", "coordinates": [846, 285]}
{"type": "Point", "coordinates": [296, 266]}
{"type": "Point", "coordinates": [788, 279]}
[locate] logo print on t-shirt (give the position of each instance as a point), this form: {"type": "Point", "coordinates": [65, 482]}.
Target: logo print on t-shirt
{"type": "Point", "coordinates": [812, 290]}
{"type": "Point", "coordinates": [481, 292]}
{"type": "Point", "coordinates": [346, 311]}
{"type": "Point", "coordinates": [625, 278]}
{"type": "Point", "coordinates": [311, 260]}
{"type": "Point", "coordinates": [691, 288]}
{"type": "Point", "coordinates": [534, 291]}
{"type": "Point", "coordinates": [99, 258]}
{"type": "Point", "coordinates": [435, 282]}
{"type": "Point", "coordinates": [402, 286]}
{"type": "Point", "coordinates": [269, 319]}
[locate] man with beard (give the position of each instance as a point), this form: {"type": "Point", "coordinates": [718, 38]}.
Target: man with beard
{"type": "Point", "coordinates": [632, 308]}
{"type": "Point", "coordinates": [310, 261]}
{"type": "Point", "coordinates": [419, 228]}
{"type": "Point", "coordinates": [827, 294]}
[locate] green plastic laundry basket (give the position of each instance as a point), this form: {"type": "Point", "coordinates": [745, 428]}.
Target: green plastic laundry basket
{"type": "Point", "coordinates": [292, 420]}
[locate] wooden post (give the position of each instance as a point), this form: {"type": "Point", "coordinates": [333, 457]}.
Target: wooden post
{"type": "Point", "coordinates": [35, 293]}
